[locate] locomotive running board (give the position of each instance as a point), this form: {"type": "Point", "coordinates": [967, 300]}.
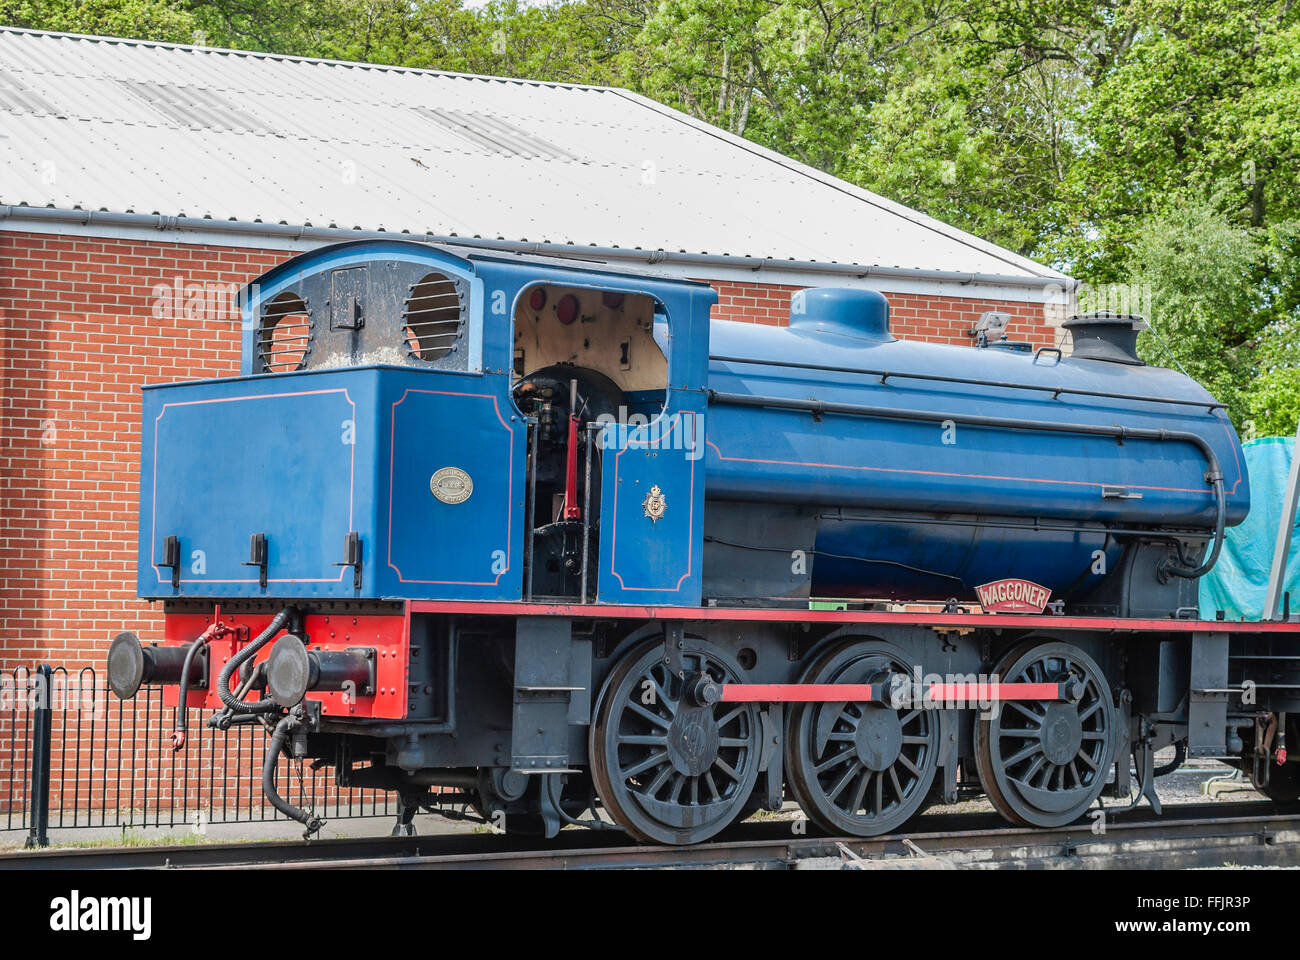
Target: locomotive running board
{"type": "Point", "coordinates": [948, 621]}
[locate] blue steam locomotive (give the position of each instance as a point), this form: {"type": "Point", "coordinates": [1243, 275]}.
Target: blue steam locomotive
{"type": "Point", "coordinates": [542, 537]}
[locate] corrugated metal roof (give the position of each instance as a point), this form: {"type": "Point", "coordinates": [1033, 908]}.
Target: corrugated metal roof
{"type": "Point", "coordinates": [134, 127]}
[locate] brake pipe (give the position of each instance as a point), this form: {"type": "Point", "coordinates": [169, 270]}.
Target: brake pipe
{"type": "Point", "coordinates": [273, 750]}
{"type": "Point", "coordinates": [214, 632]}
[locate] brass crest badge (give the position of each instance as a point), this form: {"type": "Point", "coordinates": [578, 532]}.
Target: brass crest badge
{"type": "Point", "coordinates": [654, 504]}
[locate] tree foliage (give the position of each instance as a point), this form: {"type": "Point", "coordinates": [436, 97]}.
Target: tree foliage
{"type": "Point", "coordinates": [1146, 143]}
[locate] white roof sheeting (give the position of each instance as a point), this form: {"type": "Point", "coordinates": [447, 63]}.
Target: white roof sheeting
{"type": "Point", "coordinates": [134, 127]}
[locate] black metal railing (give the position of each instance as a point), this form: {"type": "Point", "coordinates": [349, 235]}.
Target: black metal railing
{"type": "Point", "coordinates": [76, 756]}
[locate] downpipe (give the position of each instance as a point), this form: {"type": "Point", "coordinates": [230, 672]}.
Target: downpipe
{"type": "Point", "coordinates": [1183, 568]}
{"type": "Point", "coordinates": [215, 632]}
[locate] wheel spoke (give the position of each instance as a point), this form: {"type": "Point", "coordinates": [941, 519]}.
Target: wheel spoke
{"type": "Point", "coordinates": [662, 697]}
{"type": "Point", "coordinates": [1026, 710]}
{"type": "Point", "coordinates": [727, 769]}
{"type": "Point", "coordinates": [651, 761]}
{"type": "Point", "coordinates": [843, 782]}
{"type": "Point", "coordinates": [655, 785]}
{"type": "Point", "coordinates": [679, 781]}
{"type": "Point", "coordinates": [639, 740]}
{"type": "Point", "coordinates": [915, 771]}
{"type": "Point", "coordinates": [861, 792]}
{"type": "Point", "coordinates": [1045, 777]}
{"type": "Point", "coordinates": [647, 714]}
{"type": "Point", "coordinates": [1023, 754]}
{"type": "Point", "coordinates": [898, 787]}
{"type": "Point", "coordinates": [727, 718]}
{"type": "Point", "coordinates": [1034, 767]}
{"type": "Point", "coordinates": [712, 785]}
{"type": "Point", "coordinates": [834, 761]}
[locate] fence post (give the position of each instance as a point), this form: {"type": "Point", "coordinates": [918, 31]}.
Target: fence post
{"type": "Point", "coordinates": [42, 730]}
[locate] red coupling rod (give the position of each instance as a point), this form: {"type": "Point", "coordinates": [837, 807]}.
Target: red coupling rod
{"type": "Point", "coordinates": [888, 693]}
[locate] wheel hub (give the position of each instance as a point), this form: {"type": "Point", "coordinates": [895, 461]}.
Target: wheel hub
{"type": "Point", "coordinates": [1062, 733]}
{"type": "Point", "coordinates": [693, 740]}
{"type": "Point", "coordinates": [879, 739]}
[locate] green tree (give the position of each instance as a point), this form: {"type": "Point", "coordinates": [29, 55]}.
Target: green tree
{"type": "Point", "coordinates": [1212, 315]}
{"type": "Point", "coordinates": [141, 19]}
{"type": "Point", "coordinates": [1153, 142]}
{"type": "Point", "coordinates": [1203, 101]}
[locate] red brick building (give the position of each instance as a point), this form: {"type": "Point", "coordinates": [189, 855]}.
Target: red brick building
{"type": "Point", "coordinates": [140, 183]}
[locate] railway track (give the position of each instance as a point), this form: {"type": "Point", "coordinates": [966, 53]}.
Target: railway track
{"type": "Point", "coordinates": [1188, 835]}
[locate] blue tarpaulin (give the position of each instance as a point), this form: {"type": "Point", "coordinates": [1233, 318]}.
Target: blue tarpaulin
{"type": "Point", "coordinates": [1239, 580]}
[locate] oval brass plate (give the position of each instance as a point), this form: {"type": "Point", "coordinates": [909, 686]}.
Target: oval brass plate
{"type": "Point", "coordinates": [451, 485]}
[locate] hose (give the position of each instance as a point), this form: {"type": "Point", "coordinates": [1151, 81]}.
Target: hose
{"type": "Point", "coordinates": [182, 709]}
{"type": "Point", "coordinates": [1180, 755]}
{"type": "Point", "coordinates": [552, 784]}
{"type": "Point", "coordinates": [233, 703]}
{"type": "Point", "coordinates": [273, 750]}
{"type": "Point", "coordinates": [225, 717]}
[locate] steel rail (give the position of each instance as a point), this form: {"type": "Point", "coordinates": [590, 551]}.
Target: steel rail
{"type": "Point", "coordinates": [1148, 844]}
{"type": "Point", "coordinates": [1187, 835]}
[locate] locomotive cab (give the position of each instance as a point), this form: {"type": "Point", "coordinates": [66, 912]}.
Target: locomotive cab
{"type": "Point", "coordinates": [440, 425]}
{"type": "Point", "coordinates": [584, 359]}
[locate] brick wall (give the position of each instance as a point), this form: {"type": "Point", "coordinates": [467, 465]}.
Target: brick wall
{"type": "Point", "coordinates": [77, 339]}
{"type": "Point", "coordinates": [912, 316]}
{"type": "Point", "coordinates": [78, 336]}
